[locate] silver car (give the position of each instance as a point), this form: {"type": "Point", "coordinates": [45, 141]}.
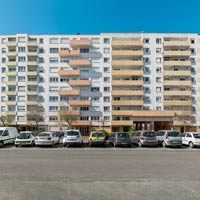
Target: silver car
{"type": "Point", "coordinates": [169, 138]}
{"type": "Point", "coordinates": [46, 138]}
{"type": "Point", "coordinates": [144, 138]}
{"type": "Point", "coordinates": [72, 137]}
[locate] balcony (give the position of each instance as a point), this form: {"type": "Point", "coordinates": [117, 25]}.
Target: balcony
{"type": "Point", "coordinates": [32, 103]}
{"type": "Point", "coordinates": [12, 113]}
{"type": "Point", "coordinates": [81, 123]}
{"type": "Point", "coordinates": [177, 103]}
{"type": "Point", "coordinates": [177, 83]}
{"type": "Point", "coordinates": [127, 93]}
{"type": "Point", "coordinates": [122, 123]}
{"type": "Point", "coordinates": [127, 63]}
{"type": "Point", "coordinates": [69, 53]}
{"type": "Point", "coordinates": [32, 83]}
{"type": "Point", "coordinates": [182, 123]}
{"type": "Point", "coordinates": [69, 73]}
{"type": "Point", "coordinates": [127, 103]}
{"type": "Point", "coordinates": [11, 63]}
{"type": "Point", "coordinates": [177, 73]}
{"type": "Point", "coordinates": [124, 83]}
{"type": "Point", "coordinates": [32, 73]}
{"type": "Point", "coordinates": [11, 73]}
{"type": "Point", "coordinates": [11, 54]}
{"type": "Point", "coordinates": [32, 63]}
{"type": "Point", "coordinates": [177, 63]}
{"type": "Point", "coordinates": [11, 103]}
{"type": "Point", "coordinates": [126, 73]}
{"type": "Point", "coordinates": [80, 63]}
{"type": "Point", "coordinates": [177, 93]}
{"type": "Point", "coordinates": [79, 103]}
{"type": "Point", "coordinates": [127, 43]}
{"type": "Point", "coordinates": [126, 53]}
{"type": "Point", "coordinates": [32, 53]}
{"type": "Point", "coordinates": [11, 93]}
{"type": "Point", "coordinates": [11, 83]}
{"type": "Point", "coordinates": [80, 83]}
{"type": "Point", "coordinates": [12, 43]}
{"type": "Point", "coordinates": [32, 43]}
{"type": "Point", "coordinates": [69, 92]}
{"type": "Point", "coordinates": [177, 53]}
{"type": "Point", "coordinates": [80, 43]}
{"type": "Point", "coordinates": [32, 93]}
{"type": "Point", "coordinates": [177, 43]}
{"type": "Point", "coordinates": [69, 112]}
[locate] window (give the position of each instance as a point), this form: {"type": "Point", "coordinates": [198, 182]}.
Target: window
{"type": "Point", "coordinates": [3, 50]}
{"type": "Point", "coordinates": [3, 79]}
{"type": "Point", "coordinates": [53, 99]}
{"type": "Point", "coordinates": [41, 60]}
{"type": "Point", "coordinates": [158, 89]}
{"type": "Point", "coordinates": [158, 50]}
{"type": "Point", "coordinates": [106, 79]}
{"type": "Point", "coordinates": [3, 69]}
{"type": "Point", "coordinates": [106, 40]}
{"type": "Point", "coordinates": [3, 89]}
{"type": "Point", "coordinates": [158, 60]}
{"type": "Point", "coordinates": [21, 78]}
{"type": "Point", "coordinates": [53, 69]}
{"type": "Point", "coordinates": [53, 79]}
{"type": "Point", "coordinates": [192, 40]}
{"type": "Point", "coordinates": [21, 39]}
{"type": "Point", "coordinates": [106, 60]}
{"type": "Point", "coordinates": [94, 89]}
{"type": "Point", "coordinates": [158, 99]}
{"type": "Point", "coordinates": [106, 89]}
{"type": "Point", "coordinates": [65, 80]}
{"type": "Point", "coordinates": [54, 50]}
{"type": "Point", "coordinates": [158, 108]}
{"type": "Point", "coordinates": [21, 118]}
{"type": "Point", "coordinates": [146, 80]}
{"type": "Point", "coordinates": [21, 89]}
{"type": "Point", "coordinates": [41, 40]}
{"type": "Point", "coordinates": [146, 60]}
{"type": "Point", "coordinates": [93, 99]}
{"type": "Point", "coordinates": [21, 108]}
{"type": "Point", "coordinates": [146, 90]}
{"type": "Point", "coordinates": [21, 98]}
{"type": "Point", "coordinates": [53, 40]}
{"type": "Point", "coordinates": [3, 108]}
{"type": "Point", "coordinates": [84, 50]}
{"type": "Point", "coordinates": [3, 40]}
{"type": "Point", "coordinates": [21, 69]}
{"type": "Point", "coordinates": [53, 108]}
{"type": "Point", "coordinates": [146, 51]}
{"type": "Point", "coordinates": [106, 69]}
{"type": "Point", "coordinates": [193, 60]}
{"type": "Point", "coordinates": [53, 60]}
{"type": "Point", "coordinates": [22, 49]}
{"type": "Point", "coordinates": [106, 50]}
{"type": "Point", "coordinates": [41, 50]}
{"type": "Point", "coordinates": [158, 40]}
{"type": "Point", "coordinates": [3, 99]}
{"type": "Point", "coordinates": [53, 118]}
{"type": "Point", "coordinates": [106, 118]}
{"type": "Point", "coordinates": [158, 79]}
{"type": "Point", "coordinates": [64, 40]}
{"type": "Point", "coordinates": [64, 98]}
{"type": "Point", "coordinates": [21, 59]}
{"type": "Point", "coordinates": [146, 100]}
{"type": "Point", "coordinates": [106, 99]}
{"type": "Point", "coordinates": [146, 40]}
{"type": "Point", "coordinates": [3, 60]}
{"type": "Point", "coordinates": [95, 118]}
{"type": "Point", "coordinates": [106, 108]}
{"type": "Point", "coordinates": [158, 70]}
{"type": "Point", "coordinates": [146, 70]}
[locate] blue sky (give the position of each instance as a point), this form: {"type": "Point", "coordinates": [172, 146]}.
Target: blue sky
{"type": "Point", "coordinates": [96, 16]}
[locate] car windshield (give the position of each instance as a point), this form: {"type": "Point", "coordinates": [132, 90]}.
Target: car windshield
{"type": "Point", "coordinates": [149, 134]}
{"type": "Point", "coordinates": [24, 136]}
{"type": "Point", "coordinates": [72, 133]}
{"type": "Point", "coordinates": [44, 134]}
{"type": "Point", "coordinates": [123, 135]}
{"type": "Point", "coordinates": [1, 131]}
{"type": "Point", "coordinates": [196, 135]}
{"type": "Point", "coordinates": [173, 134]}
{"type": "Point", "coordinates": [98, 134]}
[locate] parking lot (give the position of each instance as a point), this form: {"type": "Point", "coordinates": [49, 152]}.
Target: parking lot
{"type": "Point", "coordinates": [99, 173]}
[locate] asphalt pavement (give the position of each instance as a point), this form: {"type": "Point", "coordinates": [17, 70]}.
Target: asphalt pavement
{"type": "Point", "coordinates": [99, 173]}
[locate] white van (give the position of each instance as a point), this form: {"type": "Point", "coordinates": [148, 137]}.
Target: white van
{"type": "Point", "coordinates": [7, 135]}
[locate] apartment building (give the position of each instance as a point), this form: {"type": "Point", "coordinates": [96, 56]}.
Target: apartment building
{"type": "Point", "coordinates": [110, 81]}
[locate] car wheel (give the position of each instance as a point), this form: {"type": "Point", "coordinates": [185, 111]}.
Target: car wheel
{"type": "Point", "coordinates": [90, 144]}
{"type": "Point", "coordinates": [115, 145]}
{"type": "Point", "coordinates": [163, 144]}
{"type": "Point", "coordinates": [32, 144]}
{"type": "Point", "coordinates": [191, 145]}
{"type": "Point", "coordinates": [139, 144]}
{"type": "Point", "coordinates": [16, 145]}
{"type": "Point", "coordinates": [53, 145]}
{"type": "Point", "coordinates": [1, 144]}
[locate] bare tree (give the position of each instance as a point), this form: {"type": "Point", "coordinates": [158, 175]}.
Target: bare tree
{"type": "Point", "coordinates": [67, 118]}
{"type": "Point", "coordinates": [4, 120]}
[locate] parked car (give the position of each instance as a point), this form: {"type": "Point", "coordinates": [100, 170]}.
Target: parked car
{"type": "Point", "coordinates": [120, 139]}
{"type": "Point", "coordinates": [97, 138]}
{"type": "Point", "coordinates": [25, 138]}
{"type": "Point", "coordinates": [7, 135]}
{"type": "Point", "coordinates": [46, 138]}
{"type": "Point", "coordinates": [191, 139]}
{"type": "Point", "coordinates": [144, 138]}
{"type": "Point", "coordinates": [72, 137]}
{"type": "Point", "coordinates": [169, 138]}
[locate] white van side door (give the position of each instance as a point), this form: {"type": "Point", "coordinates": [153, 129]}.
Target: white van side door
{"type": "Point", "coordinates": [6, 137]}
